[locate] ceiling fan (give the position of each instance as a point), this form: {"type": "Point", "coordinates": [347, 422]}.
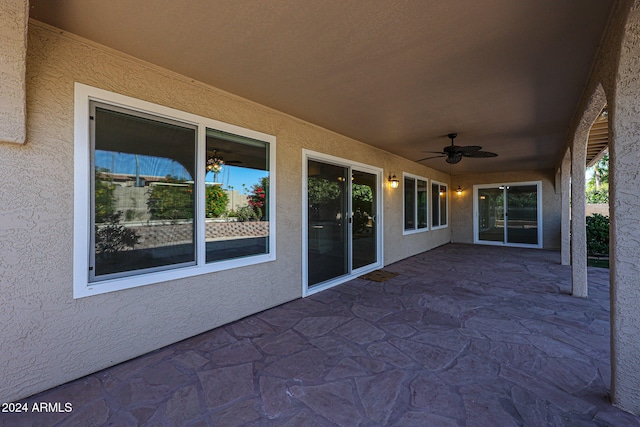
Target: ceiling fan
{"type": "Point", "coordinates": [455, 153]}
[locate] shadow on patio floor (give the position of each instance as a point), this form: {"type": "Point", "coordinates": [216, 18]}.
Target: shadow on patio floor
{"type": "Point", "coordinates": [464, 335]}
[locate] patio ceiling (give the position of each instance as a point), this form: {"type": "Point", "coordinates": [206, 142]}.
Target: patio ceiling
{"type": "Point", "coordinates": [506, 75]}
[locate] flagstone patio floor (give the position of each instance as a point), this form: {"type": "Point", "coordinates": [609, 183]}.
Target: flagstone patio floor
{"type": "Point", "coordinates": [464, 335]}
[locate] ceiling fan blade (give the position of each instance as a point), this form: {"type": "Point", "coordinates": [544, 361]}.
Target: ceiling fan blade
{"type": "Point", "coordinates": [480, 154]}
{"type": "Point", "coordinates": [435, 152]}
{"type": "Point", "coordinates": [433, 157]}
{"type": "Point", "coordinates": [469, 148]}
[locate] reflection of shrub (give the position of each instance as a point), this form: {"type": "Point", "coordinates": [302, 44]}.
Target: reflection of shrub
{"type": "Point", "coordinates": [171, 201]}
{"type": "Point", "coordinates": [247, 213]}
{"type": "Point", "coordinates": [597, 235]}
{"type": "Point", "coordinates": [112, 237]}
{"type": "Point", "coordinates": [217, 201]}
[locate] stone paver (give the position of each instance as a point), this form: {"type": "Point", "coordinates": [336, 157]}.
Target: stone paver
{"type": "Point", "coordinates": [464, 336]}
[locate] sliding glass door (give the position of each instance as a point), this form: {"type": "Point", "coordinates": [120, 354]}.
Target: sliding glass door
{"type": "Point", "coordinates": [327, 194]}
{"type": "Point", "coordinates": [508, 214]}
{"type": "Point", "coordinates": [342, 225]}
{"type": "Point", "coordinates": [364, 233]}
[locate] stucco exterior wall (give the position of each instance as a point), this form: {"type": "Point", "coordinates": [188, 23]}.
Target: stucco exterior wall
{"type": "Point", "coordinates": [462, 205]}
{"type": "Point", "coordinates": [625, 220]}
{"type": "Point", "coordinates": [49, 338]}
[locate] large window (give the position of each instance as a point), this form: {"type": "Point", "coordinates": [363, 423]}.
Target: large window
{"type": "Point", "coordinates": [142, 191]}
{"type": "Point", "coordinates": [415, 204]}
{"type": "Point", "coordinates": [439, 203]}
{"type": "Point", "coordinates": [162, 194]}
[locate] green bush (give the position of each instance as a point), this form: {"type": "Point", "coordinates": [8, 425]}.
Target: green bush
{"type": "Point", "coordinates": [217, 201]}
{"type": "Point", "coordinates": [597, 235]}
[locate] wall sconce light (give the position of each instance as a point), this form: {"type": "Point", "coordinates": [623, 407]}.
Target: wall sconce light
{"type": "Point", "coordinates": [459, 190]}
{"type": "Point", "coordinates": [393, 181]}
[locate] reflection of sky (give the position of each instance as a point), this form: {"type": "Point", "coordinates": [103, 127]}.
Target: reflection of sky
{"type": "Point", "coordinates": [234, 176]}
{"type": "Point", "coordinates": [125, 164]}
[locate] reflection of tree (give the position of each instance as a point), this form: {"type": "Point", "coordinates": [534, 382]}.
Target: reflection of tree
{"type": "Point", "coordinates": [362, 205]}
{"type": "Point", "coordinates": [322, 191]}
{"type": "Point", "coordinates": [217, 201]}
{"type": "Point", "coordinates": [103, 195]}
{"type": "Point", "coordinates": [325, 199]}
{"type": "Point", "coordinates": [110, 236]}
{"type": "Point", "coordinates": [522, 200]}
{"type": "Point", "coordinates": [362, 197]}
{"type": "Point", "coordinates": [258, 197]}
{"type": "Point", "coordinates": [171, 200]}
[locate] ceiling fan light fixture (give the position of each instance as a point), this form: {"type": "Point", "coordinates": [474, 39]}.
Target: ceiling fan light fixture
{"type": "Point", "coordinates": [454, 158]}
{"type": "Point", "coordinates": [214, 163]}
{"type": "Point", "coordinates": [454, 153]}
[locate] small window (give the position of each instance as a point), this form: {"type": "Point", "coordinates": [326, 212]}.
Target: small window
{"type": "Point", "coordinates": [237, 192]}
{"type": "Point", "coordinates": [415, 203]}
{"type": "Point", "coordinates": [161, 194]}
{"type": "Point", "coordinates": [439, 203]}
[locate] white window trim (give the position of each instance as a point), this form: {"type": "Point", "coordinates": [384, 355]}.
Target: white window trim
{"type": "Point", "coordinates": [415, 207]}
{"type": "Point", "coordinates": [82, 194]}
{"type": "Point", "coordinates": [438, 227]}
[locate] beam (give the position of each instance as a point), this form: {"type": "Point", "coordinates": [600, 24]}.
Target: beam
{"type": "Point", "coordinates": [14, 16]}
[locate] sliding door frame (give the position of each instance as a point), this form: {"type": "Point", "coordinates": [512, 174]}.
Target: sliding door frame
{"type": "Point", "coordinates": [352, 273]}
{"type": "Point", "coordinates": [476, 214]}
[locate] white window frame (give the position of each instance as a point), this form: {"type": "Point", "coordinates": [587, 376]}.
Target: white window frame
{"type": "Point", "coordinates": [438, 227]}
{"type": "Point", "coordinates": [82, 194]}
{"type": "Point", "coordinates": [415, 205]}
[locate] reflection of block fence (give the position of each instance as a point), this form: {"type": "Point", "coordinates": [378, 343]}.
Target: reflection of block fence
{"type": "Point", "coordinates": [155, 235]}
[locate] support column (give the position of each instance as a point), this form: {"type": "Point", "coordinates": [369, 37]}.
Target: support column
{"type": "Point", "coordinates": [565, 190]}
{"type": "Point", "coordinates": [578, 213]}
{"type": "Point", "coordinates": [14, 16]}
{"type": "Point", "coordinates": [624, 203]}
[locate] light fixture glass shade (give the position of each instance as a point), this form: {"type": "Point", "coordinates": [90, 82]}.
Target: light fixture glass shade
{"type": "Point", "coordinates": [393, 181]}
{"type": "Point", "coordinates": [214, 163]}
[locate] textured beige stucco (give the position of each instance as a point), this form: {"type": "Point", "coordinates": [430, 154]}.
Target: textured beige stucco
{"type": "Point", "coordinates": [625, 221]}
{"type": "Point", "coordinates": [49, 338]}
{"type": "Point", "coordinates": [13, 43]}
{"type": "Point", "coordinates": [462, 204]}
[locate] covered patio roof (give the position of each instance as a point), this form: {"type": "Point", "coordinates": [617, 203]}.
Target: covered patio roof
{"type": "Point", "coordinates": [463, 335]}
{"type": "Point", "coordinates": [505, 75]}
